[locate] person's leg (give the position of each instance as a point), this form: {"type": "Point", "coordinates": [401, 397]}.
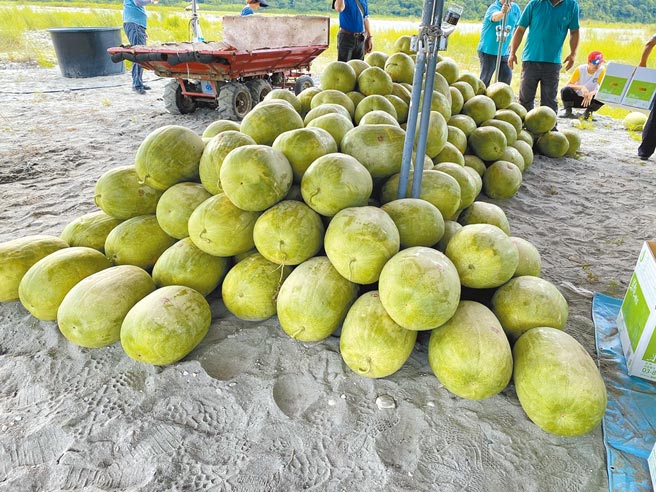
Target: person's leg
{"type": "Point", "coordinates": [570, 98]}
{"type": "Point", "coordinates": [358, 49]}
{"type": "Point", "coordinates": [488, 64]}
{"type": "Point", "coordinates": [136, 34]}
{"type": "Point", "coordinates": [567, 96]}
{"type": "Point", "coordinates": [505, 74]}
{"type": "Point", "coordinates": [528, 85]}
{"type": "Point", "coordinates": [595, 105]}
{"type": "Point", "coordinates": [648, 145]}
{"type": "Point", "coordinates": [550, 76]}
{"type": "Point", "coordinates": [345, 45]}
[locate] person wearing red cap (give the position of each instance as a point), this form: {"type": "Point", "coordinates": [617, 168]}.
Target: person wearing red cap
{"type": "Point", "coordinates": [648, 145]}
{"type": "Point", "coordinates": [583, 86]}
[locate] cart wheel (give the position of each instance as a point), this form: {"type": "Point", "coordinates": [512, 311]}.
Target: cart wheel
{"type": "Point", "coordinates": [234, 101]}
{"type": "Point", "coordinates": [258, 88]}
{"type": "Point", "coordinates": [302, 83]}
{"type": "Point", "coordinates": [174, 101]}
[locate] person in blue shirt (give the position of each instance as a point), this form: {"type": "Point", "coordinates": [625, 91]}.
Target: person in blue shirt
{"type": "Point", "coordinates": [547, 22]}
{"type": "Point", "coordinates": [354, 36]}
{"type": "Point", "coordinates": [488, 46]}
{"type": "Point", "coordinates": [252, 6]}
{"type": "Point", "coordinates": [134, 25]}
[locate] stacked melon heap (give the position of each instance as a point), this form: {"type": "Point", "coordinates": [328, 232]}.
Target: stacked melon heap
{"type": "Point", "coordinates": [294, 212]}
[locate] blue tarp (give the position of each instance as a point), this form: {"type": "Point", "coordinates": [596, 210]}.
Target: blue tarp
{"type": "Point", "coordinates": [630, 421]}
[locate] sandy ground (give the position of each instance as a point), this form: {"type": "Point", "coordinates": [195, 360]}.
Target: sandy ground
{"type": "Point", "coordinates": [250, 409]}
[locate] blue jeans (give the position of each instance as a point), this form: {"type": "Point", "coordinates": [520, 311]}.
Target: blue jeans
{"type": "Point", "coordinates": [137, 36]}
{"type": "Point", "coordinates": [489, 63]}
{"type": "Point", "coordinates": [547, 75]}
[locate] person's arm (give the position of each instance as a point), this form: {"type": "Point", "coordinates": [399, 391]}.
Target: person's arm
{"type": "Point", "coordinates": [340, 5]}
{"type": "Point", "coordinates": [573, 81]}
{"type": "Point", "coordinates": [141, 3]}
{"type": "Point", "coordinates": [573, 28]}
{"type": "Point", "coordinates": [514, 45]}
{"type": "Point", "coordinates": [573, 46]}
{"type": "Point", "coordinates": [368, 38]}
{"type": "Point", "coordinates": [600, 79]}
{"type": "Point", "coordinates": [591, 94]}
{"type": "Point", "coordinates": [497, 16]}
{"type": "Point", "coordinates": [649, 45]}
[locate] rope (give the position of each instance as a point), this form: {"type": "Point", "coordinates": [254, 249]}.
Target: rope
{"type": "Point", "coordinates": [53, 91]}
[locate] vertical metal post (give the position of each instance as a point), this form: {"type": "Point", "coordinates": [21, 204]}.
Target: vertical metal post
{"type": "Point", "coordinates": [196, 34]}
{"type": "Point", "coordinates": [428, 46]}
{"type": "Point", "coordinates": [413, 110]}
{"type": "Point", "coordinates": [501, 35]}
{"type": "Point", "coordinates": [425, 118]}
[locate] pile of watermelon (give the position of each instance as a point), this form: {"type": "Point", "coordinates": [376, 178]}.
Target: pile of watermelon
{"type": "Point", "coordinates": [294, 212]}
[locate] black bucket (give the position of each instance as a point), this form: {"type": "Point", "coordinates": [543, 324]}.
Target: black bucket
{"type": "Point", "coordinates": [82, 51]}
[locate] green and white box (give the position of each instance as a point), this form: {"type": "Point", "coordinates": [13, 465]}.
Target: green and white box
{"type": "Point", "coordinates": [615, 83]}
{"type": "Point", "coordinates": [636, 321]}
{"type": "Point", "coordinates": [641, 90]}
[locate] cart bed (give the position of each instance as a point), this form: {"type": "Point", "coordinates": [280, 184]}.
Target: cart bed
{"type": "Point", "coordinates": [216, 60]}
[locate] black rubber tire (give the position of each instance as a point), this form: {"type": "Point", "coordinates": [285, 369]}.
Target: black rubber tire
{"type": "Point", "coordinates": [301, 83]}
{"type": "Point", "coordinates": [259, 88]}
{"type": "Point", "coordinates": [234, 101]}
{"type": "Point", "coordinates": [174, 101]}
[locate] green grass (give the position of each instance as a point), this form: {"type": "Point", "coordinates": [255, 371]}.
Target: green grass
{"type": "Point", "coordinates": [24, 37]}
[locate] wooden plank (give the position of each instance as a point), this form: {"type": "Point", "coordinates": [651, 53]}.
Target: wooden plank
{"type": "Point", "coordinates": [258, 31]}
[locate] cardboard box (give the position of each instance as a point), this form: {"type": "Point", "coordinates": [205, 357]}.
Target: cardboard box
{"type": "Point", "coordinates": [652, 466]}
{"type": "Point", "coordinates": [254, 32]}
{"type": "Point", "coordinates": [615, 83]}
{"type": "Point", "coordinates": [628, 87]}
{"type": "Point", "coordinates": [636, 321]}
{"type": "Point", "coordinates": [641, 90]}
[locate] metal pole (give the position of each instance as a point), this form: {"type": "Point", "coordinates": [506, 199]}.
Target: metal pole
{"type": "Point", "coordinates": [432, 10]}
{"type": "Point", "coordinates": [425, 118]}
{"type": "Point", "coordinates": [501, 38]}
{"type": "Point", "coordinates": [411, 126]}
{"type": "Point", "coordinates": [196, 34]}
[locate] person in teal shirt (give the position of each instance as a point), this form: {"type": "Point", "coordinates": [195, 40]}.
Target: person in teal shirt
{"type": "Point", "coordinates": [547, 22]}
{"type": "Point", "coordinates": [488, 46]}
{"type": "Point", "coordinates": [134, 25]}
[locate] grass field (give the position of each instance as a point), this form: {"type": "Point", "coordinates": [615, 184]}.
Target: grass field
{"type": "Point", "coordinates": [24, 37]}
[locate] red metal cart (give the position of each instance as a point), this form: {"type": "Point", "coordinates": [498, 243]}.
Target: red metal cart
{"type": "Point", "coordinates": [225, 75]}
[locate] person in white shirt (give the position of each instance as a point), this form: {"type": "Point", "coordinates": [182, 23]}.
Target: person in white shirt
{"type": "Point", "coordinates": [583, 86]}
